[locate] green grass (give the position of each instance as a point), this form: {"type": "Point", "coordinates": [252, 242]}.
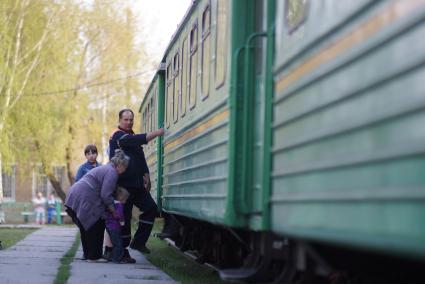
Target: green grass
{"type": "Point", "coordinates": [175, 264]}
{"type": "Point", "coordinates": [64, 270]}
{"type": "Point", "coordinates": [9, 237]}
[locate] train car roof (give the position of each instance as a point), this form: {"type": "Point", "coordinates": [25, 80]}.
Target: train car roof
{"type": "Point", "coordinates": [161, 67]}
{"type": "Point", "coordinates": [180, 26]}
{"type": "Point", "coordinates": [174, 37]}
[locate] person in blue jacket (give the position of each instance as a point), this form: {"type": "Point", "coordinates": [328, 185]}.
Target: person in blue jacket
{"type": "Point", "coordinates": [91, 155]}
{"type": "Point", "coordinates": [136, 180]}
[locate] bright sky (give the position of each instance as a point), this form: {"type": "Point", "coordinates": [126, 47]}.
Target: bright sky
{"type": "Point", "coordinates": [161, 17]}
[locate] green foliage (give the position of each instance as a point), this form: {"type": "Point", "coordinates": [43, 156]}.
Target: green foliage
{"type": "Point", "coordinates": [175, 264]}
{"type": "Point", "coordinates": [64, 270]}
{"type": "Point", "coordinates": [9, 237]}
{"type": "Point", "coordinates": [66, 69]}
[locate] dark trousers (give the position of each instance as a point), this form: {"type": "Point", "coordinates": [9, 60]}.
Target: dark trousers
{"type": "Point", "coordinates": [91, 239]}
{"type": "Point", "coordinates": [117, 249]}
{"type": "Point", "coordinates": [144, 201]}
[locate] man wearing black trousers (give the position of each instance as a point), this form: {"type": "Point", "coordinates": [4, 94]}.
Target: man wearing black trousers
{"type": "Point", "coordinates": [136, 180]}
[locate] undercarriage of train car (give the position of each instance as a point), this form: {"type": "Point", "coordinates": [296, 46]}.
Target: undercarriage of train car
{"type": "Point", "coordinates": [263, 257]}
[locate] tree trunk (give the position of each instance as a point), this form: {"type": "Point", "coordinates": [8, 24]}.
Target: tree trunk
{"type": "Point", "coordinates": [50, 175]}
{"type": "Point", "coordinates": [68, 157]}
{"type": "Point", "coordinates": [56, 186]}
{"type": "Point", "coordinates": [105, 157]}
{"type": "Point", "coordinates": [1, 179]}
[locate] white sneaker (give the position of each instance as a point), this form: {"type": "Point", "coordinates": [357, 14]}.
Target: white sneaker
{"type": "Point", "coordinates": [99, 260]}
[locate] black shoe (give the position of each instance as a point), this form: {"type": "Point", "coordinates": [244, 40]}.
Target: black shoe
{"type": "Point", "coordinates": [107, 254]}
{"type": "Point", "coordinates": [140, 248]}
{"type": "Point", "coordinates": [162, 235]}
{"type": "Point", "coordinates": [126, 258]}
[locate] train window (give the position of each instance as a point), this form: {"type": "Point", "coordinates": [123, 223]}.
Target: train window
{"type": "Point", "coordinates": [145, 124]}
{"type": "Point", "coordinates": [221, 43]}
{"type": "Point", "coordinates": [169, 104]}
{"type": "Point", "coordinates": [206, 24]}
{"type": "Point", "coordinates": [177, 94]}
{"type": "Point", "coordinates": [147, 118]}
{"type": "Point", "coordinates": [144, 121]}
{"type": "Point", "coordinates": [183, 78]}
{"type": "Point", "coordinates": [155, 110]}
{"type": "Point", "coordinates": [151, 115]}
{"type": "Point", "coordinates": [193, 64]}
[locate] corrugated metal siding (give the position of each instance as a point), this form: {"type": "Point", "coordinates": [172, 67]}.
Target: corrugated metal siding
{"type": "Point", "coordinates": [152, 164]}
{"type": "Point", "coordinates": [349, 152]}
{"type": "Point", "coordinates": [150, 150]}
{"type": "Point", "coordinates": [195, 160]}
{"type": "Point", "coordinates": [195, 174]}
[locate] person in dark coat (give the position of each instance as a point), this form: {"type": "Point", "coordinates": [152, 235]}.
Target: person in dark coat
{"type": "Point", "coordinates": [89, 199]}
{"type": "Point", "coordinates": [136, 180]}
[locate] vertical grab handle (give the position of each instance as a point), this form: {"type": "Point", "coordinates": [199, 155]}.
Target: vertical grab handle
{"type": "Point", "coordinates": [242, 205]}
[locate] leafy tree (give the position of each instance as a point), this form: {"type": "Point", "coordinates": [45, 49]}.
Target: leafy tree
{"type": "Point", "coordinates": [66, 69]}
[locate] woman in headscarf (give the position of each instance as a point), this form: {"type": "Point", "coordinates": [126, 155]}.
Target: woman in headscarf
{"type": "Point", "coordinates": [88, 201]}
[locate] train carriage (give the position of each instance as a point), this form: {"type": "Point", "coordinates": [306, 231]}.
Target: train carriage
{"type": "Point", "coordinates": [151, 113]}
{"type": "Point", "coordinates": [348, 154]}
{"type": "Point", "coordinates": [293, 137]}
{"type": "Point", "coordinates": [197, 116]}
{"type": "Point", "coordinates": [211, 104]}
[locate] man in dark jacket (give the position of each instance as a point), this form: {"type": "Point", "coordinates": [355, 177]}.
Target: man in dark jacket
{"type": "Point", "coordinates": [135, 179]}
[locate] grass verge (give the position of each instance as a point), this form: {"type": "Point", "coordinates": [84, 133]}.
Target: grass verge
{"type": "Point", "coordinates": [64, 270]}
{"type": "Point", "coordinates": [175, 264]}
{"type": "Point", "coordinates": [9, 237]}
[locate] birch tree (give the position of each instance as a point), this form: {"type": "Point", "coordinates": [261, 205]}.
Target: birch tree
{"type": "Point", "coordinates": [23, 35]}
{"type": "Point", "coordinates": [85, 68]}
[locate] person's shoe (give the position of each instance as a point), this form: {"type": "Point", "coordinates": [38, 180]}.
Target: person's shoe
{"type": "Point", "coordinates": [141, 248]}
{"type": "Point", "coordinates": [126, 258]}
{"type": "Point", "coordinates": [99, 260]}
{"type": "Point", "coordinates": [162, 235]}
{"type": "Point", "coordinates": [107, 254]}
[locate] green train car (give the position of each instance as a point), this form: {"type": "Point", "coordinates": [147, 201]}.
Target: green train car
{"type": "Point", "coordinates": [294, 149]}
{"type": "Point", "coordinates": [152, 116]}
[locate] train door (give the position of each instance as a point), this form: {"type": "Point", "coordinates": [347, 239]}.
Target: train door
{"type": "Point", "coordinates": [256, 66]}
{"type": "Point", "coordinates": [258, 51]}
{"type": "Point", "coordinates": [251, 33]}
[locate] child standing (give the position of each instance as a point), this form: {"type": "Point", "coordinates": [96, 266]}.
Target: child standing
{"type": "Point", "coordinates": [91, 155]}
{"type": "Point", "coordinates": [2, 219]}
{"type": "Point", "coordinates": [39, 208]}
{"type": "Point", "coordinates": [114, 223]}
{"type": "Point", "coordinates": [51, 208]}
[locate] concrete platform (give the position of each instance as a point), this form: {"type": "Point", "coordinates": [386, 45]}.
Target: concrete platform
{"type": "Point", "coordinates": [36, 259]}
{"type": "Point", "coordinates": [142, 272]}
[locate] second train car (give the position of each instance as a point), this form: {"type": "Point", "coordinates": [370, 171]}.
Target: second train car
{"type": "Point", "coordinates": [294, 139]}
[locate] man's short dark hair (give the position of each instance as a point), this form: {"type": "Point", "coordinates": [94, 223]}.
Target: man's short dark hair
{"type": "Point", "coordinates": [124, 110]}
{"type": "Point", "coordinates": [90, 149]}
